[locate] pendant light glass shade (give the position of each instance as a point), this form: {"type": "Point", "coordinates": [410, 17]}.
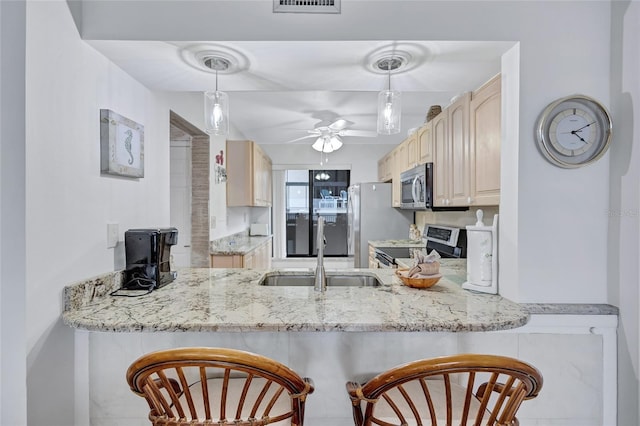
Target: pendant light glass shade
{"type": "Point", "coordinates": [327, 144]}
{"type": "Point", "coordinates": [216, 113]}
{"type": "Point", "coordinates": [389, 112]}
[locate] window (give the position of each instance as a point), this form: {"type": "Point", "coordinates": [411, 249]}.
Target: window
{"type": "Point", "coordinates": [309, 194]}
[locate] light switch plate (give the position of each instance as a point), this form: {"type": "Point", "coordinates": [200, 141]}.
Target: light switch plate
{"type": "Point", "coordinates": [112, 235]}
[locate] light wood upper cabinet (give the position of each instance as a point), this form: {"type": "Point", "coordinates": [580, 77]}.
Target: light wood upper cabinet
{"type": "Point", "coordinates": [395, 178]}
{"type": "Point", "coordinates": [459, 138]}
{"type": "Point", "coordinates": [451, 150]}
{"type": "Point", "coordinates": [441, 155]}
{"type": "Point", "coordinates": [385, 168]}
{"type": "Point", "coordinates": [463, 143]}
{"type": "Point", "coordinates": [425, 143]}
{"type": "Point", "coordinates": [248, 175]}
{"type": "Point", "coordinates": [485, 134]}
{"type": "Point", "coordinates": [413, 152]}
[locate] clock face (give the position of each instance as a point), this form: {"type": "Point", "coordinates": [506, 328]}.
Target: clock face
{"type": "Point", "coordinates": [573, 131]}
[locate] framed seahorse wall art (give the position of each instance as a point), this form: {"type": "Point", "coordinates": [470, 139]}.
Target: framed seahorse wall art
{"type": "Point", "coordinates": [121, 145]}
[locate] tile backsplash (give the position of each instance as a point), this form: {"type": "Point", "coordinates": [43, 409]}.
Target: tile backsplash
{"type": "Point", "coordinates": [457, 219]}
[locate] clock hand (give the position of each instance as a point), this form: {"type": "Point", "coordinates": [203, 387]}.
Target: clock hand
{"type": "Point", "coordinates": [574, 132]}
{"type": "Point", "coordinates": [586, 125]}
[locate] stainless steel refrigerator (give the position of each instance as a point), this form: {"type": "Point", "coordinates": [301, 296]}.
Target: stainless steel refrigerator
{"type": "Point", "coordinates": [371, 217]}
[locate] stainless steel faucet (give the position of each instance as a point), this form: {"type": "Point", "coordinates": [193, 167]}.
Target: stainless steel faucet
{"type": "Point", "coordinates": [320, 283]}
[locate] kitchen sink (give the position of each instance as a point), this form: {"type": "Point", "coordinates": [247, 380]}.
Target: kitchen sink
{"type": "Point", "coordinates": [339, 280]}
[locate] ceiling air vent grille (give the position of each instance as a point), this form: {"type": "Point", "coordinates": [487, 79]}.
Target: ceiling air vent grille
{"type": "Point", "coordinates": [306, 6]}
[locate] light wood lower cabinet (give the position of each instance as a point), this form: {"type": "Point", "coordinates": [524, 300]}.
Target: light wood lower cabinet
{"type": "Point", "coordinates": [259, 258]}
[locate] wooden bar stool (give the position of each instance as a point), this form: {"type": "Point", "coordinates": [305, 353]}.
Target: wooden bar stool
{"type": "Point", "coordinates": [466, 389]}
{"type": "Point", "coordinates": [205, 386]}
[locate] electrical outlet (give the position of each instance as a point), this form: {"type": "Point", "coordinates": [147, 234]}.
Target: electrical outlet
{"type": "Point", "coordinates": [212, 222]}
{"type": "Point", "coordinates": [112, 235]}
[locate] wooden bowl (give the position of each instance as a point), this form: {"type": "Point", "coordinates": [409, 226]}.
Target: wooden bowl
{"type": "Point", "coordinates": [425, 282]}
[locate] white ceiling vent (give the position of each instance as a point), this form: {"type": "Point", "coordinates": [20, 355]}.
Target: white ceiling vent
{"type": "Point", "coordinates": [306, 6]}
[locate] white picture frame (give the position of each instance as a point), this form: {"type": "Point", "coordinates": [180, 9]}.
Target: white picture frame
{"type": "Point", "coordinates": [121, 145]}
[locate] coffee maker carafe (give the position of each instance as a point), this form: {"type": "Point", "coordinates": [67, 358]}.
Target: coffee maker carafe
{"type": "Point", "coordinates": [148, 258]}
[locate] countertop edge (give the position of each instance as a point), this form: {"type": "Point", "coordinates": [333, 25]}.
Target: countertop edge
{"type": "Point", "coordinates": [237, 246]}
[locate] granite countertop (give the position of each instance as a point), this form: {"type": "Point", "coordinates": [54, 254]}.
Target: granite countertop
{"type": "Point", "coordinates": [397, 243]}
{"type": "Point", "coordinates": [203, 299]}
{"type": "Point", "coordinates": [237, 244]}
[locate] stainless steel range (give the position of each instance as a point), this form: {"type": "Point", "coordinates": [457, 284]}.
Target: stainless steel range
{"type": "Point", "coordinates": [449, 242]}
{"type": "Point", "coordinates": [387, 255]}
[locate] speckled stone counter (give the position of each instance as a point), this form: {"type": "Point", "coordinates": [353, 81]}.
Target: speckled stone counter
{"type": "Point", "coordinates": [233, 300]}
{"type": "Point", "coordinates": [239, 244]}
{"type": "Point", "coordinates": [397, 243]}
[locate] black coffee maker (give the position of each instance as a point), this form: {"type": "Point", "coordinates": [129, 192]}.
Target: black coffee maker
{"type": "Point", "coordinates": [148, 255]}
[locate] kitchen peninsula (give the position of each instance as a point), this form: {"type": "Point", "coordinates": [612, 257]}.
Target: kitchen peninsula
{"type": "Point", "coordinates": [345, 333]}
{"type": "Point", "coordinates": [233, 300]}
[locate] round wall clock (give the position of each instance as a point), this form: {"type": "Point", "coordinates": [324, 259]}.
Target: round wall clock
{"type": "Point", "coordinates": [573, 131]}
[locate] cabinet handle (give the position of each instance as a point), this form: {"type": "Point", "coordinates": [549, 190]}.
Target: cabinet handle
{"type": "Point", "coordinates": [469, 200]}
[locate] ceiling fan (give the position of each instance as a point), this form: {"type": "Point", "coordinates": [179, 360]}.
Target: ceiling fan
{"type": "Point", "coordinates": [328, 137]}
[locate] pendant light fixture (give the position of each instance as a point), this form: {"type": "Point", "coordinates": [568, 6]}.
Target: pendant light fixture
{"type": "Point", "coordinates": [389, 101]}
{"type": "Point", "coordinates": [216, 103]}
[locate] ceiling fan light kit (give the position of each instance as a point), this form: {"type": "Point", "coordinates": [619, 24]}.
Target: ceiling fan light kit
{"type": "Point", "coordinates": [389, 101]}
{"type": "Point", "coordinates": [327, 144]}
{"type": "Point", "coordinates": [216, 103]}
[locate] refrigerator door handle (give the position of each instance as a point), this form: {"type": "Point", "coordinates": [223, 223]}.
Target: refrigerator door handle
{"type": "Point", "coordinates": [349, 227]}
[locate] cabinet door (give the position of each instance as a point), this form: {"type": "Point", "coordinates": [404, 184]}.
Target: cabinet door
{"type": "Point", "coordinates": [266, 255]}
{"type": "Point", "coordinates": [459, 179]}
{"type": "Point", "coordinates": [265, 182]}
{"type": "Point", "coordinates": [399, 165]}
{"type": "Point", "coordinates": [226, 261]}
{"type": "Point", "coordinates": [388, 167]}
{"type": "Point", "coordinates": [249, 260]}
{"type": "Point", "coordinates": [248, 175]}
{"type": "Point", "coordinates": [412, 150]}
{"type": "Point", "coordinates": [441, 157]}
{"type": "Point", "coordinates": [425, 143]}
{"type": "Point", "coordinates": [403, 157]}
{"type": "Point", "coordinates": [485, 134]}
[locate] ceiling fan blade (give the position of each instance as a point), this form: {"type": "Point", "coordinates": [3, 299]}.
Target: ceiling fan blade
{"type": "Point", "coordinates": [361, 133]}
{"type": "Point", "coordinates": [301, 138]}
{"type": "Point", "coordinates": [339, 124]}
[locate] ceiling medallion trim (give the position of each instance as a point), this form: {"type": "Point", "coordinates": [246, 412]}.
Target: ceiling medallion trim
{"type": "Point", "coordinates": [212, 58]}
{"type": "Point", "coordinates": [399, 61]}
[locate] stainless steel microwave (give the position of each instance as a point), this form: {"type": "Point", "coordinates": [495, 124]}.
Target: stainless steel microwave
{"type": "Point", "coordinates": [417, 187]}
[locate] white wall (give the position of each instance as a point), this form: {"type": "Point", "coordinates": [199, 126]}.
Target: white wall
{"type": "Point", "coordinates": [13, 390]}
{"type": "Point", "coordinates": [624, 209]}
{"type": "Point", "coordinates": [68, 202]}
{"type": "Point", "coordinates": [570, 204]}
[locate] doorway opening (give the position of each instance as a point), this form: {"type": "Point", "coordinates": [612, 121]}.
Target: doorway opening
{"type": "Point", "coordinates": [189, 177]}
{"type": "Point", "coordinates": [308, 195]}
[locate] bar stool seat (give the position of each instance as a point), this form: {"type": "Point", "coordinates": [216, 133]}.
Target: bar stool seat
{"type": "Point", "coordinates": [466, 389]}
{"type": "Point", "coordinates": [205, 386]}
